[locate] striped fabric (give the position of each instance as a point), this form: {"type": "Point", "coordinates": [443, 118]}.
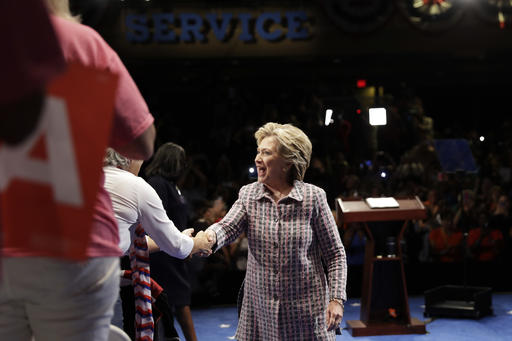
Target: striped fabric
{"type": "Point", "coordinates": [286, 289]}
{"type": "Point", "coordinates": [141, 281]}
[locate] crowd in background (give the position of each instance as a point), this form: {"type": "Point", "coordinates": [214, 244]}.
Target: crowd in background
{"type": "Point", "coordinates": [467, 211]}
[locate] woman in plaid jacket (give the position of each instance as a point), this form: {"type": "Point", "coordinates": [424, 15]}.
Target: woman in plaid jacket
{"type": "Point", "coordinates": [296, 269]}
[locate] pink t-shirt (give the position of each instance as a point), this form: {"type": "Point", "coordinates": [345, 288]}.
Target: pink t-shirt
{"type": "Point", "coordinates": [82, 44]}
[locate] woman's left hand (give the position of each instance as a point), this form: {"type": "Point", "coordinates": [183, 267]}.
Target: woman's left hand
{"type": "Point", "coordinates": [334, 315]}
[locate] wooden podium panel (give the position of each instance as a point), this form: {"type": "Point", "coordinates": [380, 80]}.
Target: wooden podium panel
{"type": "Point", "coordinates": [375, 319]}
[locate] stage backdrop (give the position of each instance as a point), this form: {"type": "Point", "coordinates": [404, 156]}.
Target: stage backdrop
{"type": "Point", "coordinates": [303, 29]}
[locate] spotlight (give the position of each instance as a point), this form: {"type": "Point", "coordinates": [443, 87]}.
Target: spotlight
{"type": "Point", "coordinates": [328, 117]}
{"type": "Point", "coordinates": [482, 139]}
{"type": "Point", "coordinates": [378, 116]}
{"type": "Point", "coordinates": [252, 173]}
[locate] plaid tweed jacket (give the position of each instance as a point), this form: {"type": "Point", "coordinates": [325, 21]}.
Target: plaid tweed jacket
{"type": "Point", "coordinates": [291, 242]}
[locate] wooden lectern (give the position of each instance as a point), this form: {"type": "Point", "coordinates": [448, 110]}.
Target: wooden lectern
{"type": "Point", "coordinates": [374, 319]}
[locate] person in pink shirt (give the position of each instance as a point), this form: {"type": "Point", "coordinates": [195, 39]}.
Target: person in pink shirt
{"type": "Point", "coordinates": [61, 300]}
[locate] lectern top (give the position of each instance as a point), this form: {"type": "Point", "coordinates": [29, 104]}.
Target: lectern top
{"type": "Point", "coordinates": [357, 210]}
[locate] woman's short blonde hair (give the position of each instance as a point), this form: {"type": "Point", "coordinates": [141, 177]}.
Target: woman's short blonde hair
{"type": "Point", "coordinates": [293, 145]}
{"type": "Point", "coordinates": [113, 158]}
{"type": "Point", "coordinates": [61, 9]}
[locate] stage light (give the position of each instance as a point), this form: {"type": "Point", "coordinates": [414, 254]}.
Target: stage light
{"type": "Point", "coordinates": [378, 116]}
{"type": "Point", "coordinates": [252, 173]}
{"type": "Point", "coordinates": [482, 139]}
{"type": "Point", "coordinates": [361, 83]}
{"type": "Point", "coordinates": [501, 19]}
{"type": "Point", "coordinates": [328, 117]}
{"type": "Point", "coordinates": [383, 175]}
{"type": "Point", "coordinates": [358, 111]}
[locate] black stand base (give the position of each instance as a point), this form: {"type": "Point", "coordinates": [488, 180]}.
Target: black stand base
{"type": "Point", "coordinates": [458, 301]}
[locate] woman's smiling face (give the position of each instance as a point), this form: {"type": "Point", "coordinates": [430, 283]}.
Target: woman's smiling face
{"type": "Point", "coordinates": [272, 168]}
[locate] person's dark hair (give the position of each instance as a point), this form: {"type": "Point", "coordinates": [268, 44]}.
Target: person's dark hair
{"type": "Point", "coordinates": [168, 162]}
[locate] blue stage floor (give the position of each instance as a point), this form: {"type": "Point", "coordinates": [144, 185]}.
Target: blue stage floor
{"type": "Point", "coordinates": [219, 323]}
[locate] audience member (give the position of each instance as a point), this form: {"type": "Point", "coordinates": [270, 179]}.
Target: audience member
{"type": "Point", "coordinates": [446, 240]}
{"type": "Point", "coordinates": [500, 219]}
{"type": "Point", "coordinates": [465, 218]}
{"type": "Point", "coordinates": [485, 243]}
{"type": "Point", "coordinates": [135, 202]}
{"type": "Point", "coordinates": [173, 274]}
{"type": "Point", "coordinates": [76, 300]}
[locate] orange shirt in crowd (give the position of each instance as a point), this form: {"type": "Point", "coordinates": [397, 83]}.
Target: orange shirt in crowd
{"type": "Point", "coordinates": [488, 249]}
{"type": "Point", "coordinates": [446, 246]}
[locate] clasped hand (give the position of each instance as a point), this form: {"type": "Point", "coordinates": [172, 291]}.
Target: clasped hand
{"type": "Point", "coordinates": [203, 242]}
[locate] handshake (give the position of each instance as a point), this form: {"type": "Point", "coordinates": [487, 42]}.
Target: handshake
{"type": "Point", "coordinates": [203, 241]}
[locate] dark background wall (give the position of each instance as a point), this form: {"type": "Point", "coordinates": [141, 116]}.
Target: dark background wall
{"type": "Point", "coordinates": [461, 72]}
